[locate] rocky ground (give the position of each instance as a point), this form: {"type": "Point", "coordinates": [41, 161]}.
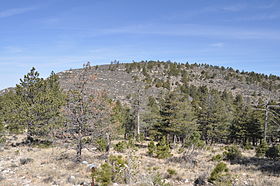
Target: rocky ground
{"type": "Point", "coordinates": [23, 165]}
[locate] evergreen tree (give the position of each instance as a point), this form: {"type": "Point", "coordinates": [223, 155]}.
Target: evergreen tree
{"type": "Point", "coordinates": [151, 117]}
{"type": "Point", "coordinates": [239, 123]}
{"type": "Point", "coordinates": [35, 105]}
{"type": "Point", "coordinates": [213, 117]}
{"type": "Point", "coordinates": [176, 117]}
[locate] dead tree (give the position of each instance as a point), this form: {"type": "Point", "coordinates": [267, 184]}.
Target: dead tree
{"type": "Point", "coordinates": [88, 112]}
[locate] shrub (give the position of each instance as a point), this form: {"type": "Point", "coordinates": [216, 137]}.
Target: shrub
{"type": "Point", "coordinates": [171, 172]}
{"type": "Point", "coordinates": [159, 181]}
{"type": "Point", "coordinates": [151, 148]}
{"type": "Point", "coordinates": [118, 166]}
{"type": "Point", "coordinates": [44, 144]}
{"type": "Point", "coordinates": [120, 146]}
{"type": "Point", "coordinates": [131, 143]}
{"type": "Point", "coordinates": [111, 171]}
{"type": "Point", "coordinates": [163, 149]}
{"type": "Point", "coordinates": [247, 146]}
{"type": "Point", "coordinates": [261, 149]}
{"type": "Point", "coordinates": [2, 140]}
{"type": "Point", "coordinates": [195, 141]}
{"type": "Point", "coordinates": [220, 175]}
{"type": "Point", "coordinates": [104, 174]}
{"type": "Point", "coordinates": [273, 152]}
{"type": "Point", "coordinates": [101, 144]}
{"type": "Point", "coordinates": [232, 153]}
{"type": "Point", "coordinates": [218, 157]}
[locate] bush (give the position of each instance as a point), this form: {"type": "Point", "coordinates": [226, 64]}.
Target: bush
{"type": "Point", "coordinates": [195, 141]}
{"type": "Point", "coordinates": [218, 157]}
{"type": "Point", "coordinates": [118, 167]}
{"type": "Point", "coordinates": [261, 149]}
{"type": "Point", "coordinates": [232, 153]}
{"type": "Point", "coordinates": [220, 175]}
{"type": "Point", "coordinates": [101, 144]}
{"type": "Point", "coordinates": [2, 139]}
{"type": "Point", "coordinates": [163, 149]}
{"type": "Point", "coordinates": [171, 172]}
{"type": "Point", "coordinates": [247, 146]}
{"type": "Point", "coordinates": [273, 152]}
{"type": "Point", "coordinates": [121, 146]}
{"type": "Point", "coordinates": [104, 174]}
{"type": "Point", "coordinates": [159, 181]}
{"type": "Point", "coordinates": [112, 171]}
{"type": "Point", "coordinates": [131, 144]}
{"type": "Point", "coordinates": [151, 148]}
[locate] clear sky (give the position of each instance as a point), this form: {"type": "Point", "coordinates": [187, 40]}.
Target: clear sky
{"type": "Point", "coordinates": [62, 34]}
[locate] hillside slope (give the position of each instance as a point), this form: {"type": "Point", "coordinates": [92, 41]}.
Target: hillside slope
{"type": "Point", "coordinates": [121, 81]}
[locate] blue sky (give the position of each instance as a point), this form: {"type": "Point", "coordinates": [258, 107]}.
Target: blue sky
{"type": "Point", "coordinates": [62, 34]}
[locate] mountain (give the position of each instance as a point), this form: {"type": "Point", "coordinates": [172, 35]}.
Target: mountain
{"type": "Point", "coordinates": [151, 78]}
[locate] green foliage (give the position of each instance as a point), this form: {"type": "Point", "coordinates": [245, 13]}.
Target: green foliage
{"type": "Point", "coordinates": [151, 148]}
{"type": "Point", "coordinates": [101, 144]}
{"type": "Point", "coordinates": [43, 144]}
{"type": "Point", "coordinates": [131, 143]}
{"type": "Point", "coordinates": [176, 116]}
{"type": "Point", "coordinates": [163, 149]}
{"type": "Point", "coordinates": [119, 116]}
{"type": "Point", "coordinates": [218, 158]}
{"type": "Point", "coordinates": [261, 149]}
{"type": "Point", "coordinates": [232, 153]}
{"type": "Point", "coordinates": [171, 172]}
{"type": "Point", "coordinates": [247, 146]}
{"type": "Point", "coordinates": [35, 106]}
{"type": "Point", "coordinates": [2, 139]}
{"type": "Point", "coordinates": [118, 168]}
{"type": "Point", "coordinates": [159, 181]}
{"type": "Point", "coordinates": [104, 174]}
{"type": "Point", "coordinates": [121, 146]}
{"type": "Point", "coordinates": [194, 140]}
{"type": "Point", "coordinates": [111, 171]}
{"type": "Point", "coordinates": [273, 152]}
{"type": "Point", "coordinates": [220, 175]}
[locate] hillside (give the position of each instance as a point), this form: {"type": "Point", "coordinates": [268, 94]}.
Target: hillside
{"type": "Point", "coordinates": [180, 124]}
{"type": "Point", "coordinates": [121, 81]}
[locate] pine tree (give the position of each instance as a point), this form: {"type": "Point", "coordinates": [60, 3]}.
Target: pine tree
{"type": "Point", "coordinates": [176, 117]}
{"type": "Point", "coordinates": [151, 117]}
{"type": "Point", "coordinates": [213, 116]}
{"type": "Point", "coordinates": [35, 106]}
{"type": "Point", "coordinates": [240, 122]}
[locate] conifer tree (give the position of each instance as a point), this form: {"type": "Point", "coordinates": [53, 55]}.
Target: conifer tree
{"type": "Point", "coordinates": [35, 105]}
{"type": "Point", "coordinates": [176, 117]}
{"type": "Point", "coordinates": [239, 123]}
{"type": "Point", "coordinates": [213, 116]}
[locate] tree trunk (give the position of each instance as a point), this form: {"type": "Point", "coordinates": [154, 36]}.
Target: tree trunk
{"type": "Point", "coordinates": [108, 142]}
{"type": "Point", "coordinates": [79, 149]}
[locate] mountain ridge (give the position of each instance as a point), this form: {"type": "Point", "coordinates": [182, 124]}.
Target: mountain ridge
{"type": "Point", "coordinates": [121, 80]}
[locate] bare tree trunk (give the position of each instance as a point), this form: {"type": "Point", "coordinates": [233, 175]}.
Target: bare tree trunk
{"type": "Point", "coordinates": [29, 138]}
{"type": "Point", "coordinates": [79, 148]}
{"type": "Point", "coordinates": [108, 142]}
{"type": "Point", "coordinates": [138, 124]}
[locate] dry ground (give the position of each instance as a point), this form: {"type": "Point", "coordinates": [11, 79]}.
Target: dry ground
{"type": "Point", "coordinates": [55, 166]}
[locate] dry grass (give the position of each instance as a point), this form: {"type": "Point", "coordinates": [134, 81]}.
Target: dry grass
{"type": "Point", "coordinates": [54, 166]}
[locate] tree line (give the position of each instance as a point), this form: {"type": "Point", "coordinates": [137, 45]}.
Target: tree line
{"type": "Point", "coordinates": [40, 109]}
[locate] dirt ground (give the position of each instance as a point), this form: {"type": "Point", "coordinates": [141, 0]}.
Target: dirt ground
{"type": "Point", "coordinates": [23, 165]}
